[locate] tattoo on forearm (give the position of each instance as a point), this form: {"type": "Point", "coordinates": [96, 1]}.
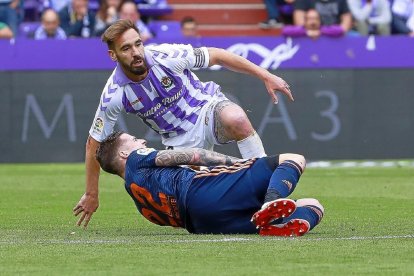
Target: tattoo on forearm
{"type": "Point", "coordinates": [211, 158]}
{"type": "Point", "coordinates": [200, 157]}
{"type": "Point", "coordinates": [172, 158]}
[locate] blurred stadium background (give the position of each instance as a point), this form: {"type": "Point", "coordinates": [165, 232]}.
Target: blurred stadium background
{"type": "Point", "coordinates": [353, 101]}
{"type": "Point", "coordinates": [353, 93]}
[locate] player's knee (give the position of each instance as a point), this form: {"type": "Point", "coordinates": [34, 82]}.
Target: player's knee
{"type": "Point", "coordinates": [236, 122]}
{"type": "Point", "coordinates": [311, 202]}
{"type": "Point", "coordinates": [297, 158]}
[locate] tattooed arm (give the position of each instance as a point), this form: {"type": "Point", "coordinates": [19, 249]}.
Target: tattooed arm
{"type": "Point", "coordinates": [199, 157]}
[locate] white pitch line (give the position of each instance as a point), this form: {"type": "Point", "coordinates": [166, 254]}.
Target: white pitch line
{"type": "Point", "coordinates": [205, 240]}
{"type": "Point", "coordinates": [292, 238]}
{"type": "Point", "coordinates": [361, 164]}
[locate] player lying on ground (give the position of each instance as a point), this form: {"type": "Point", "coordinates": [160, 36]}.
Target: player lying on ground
{"type": "Point", "coordinates": [157, 84]}
{"type": "Point", "coordinates": [221, 199]}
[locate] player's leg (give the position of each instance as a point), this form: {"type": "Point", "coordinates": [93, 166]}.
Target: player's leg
{"type": "Point", "coordinates": [286, 176]}
{"type": "Point", "coordinates": [232, 124]}
{"type": "Point", "coordinates": [308, 214]}
{"type": "Point", "coordinates": [282, 183]}
{"type": "Point", "coordinates": [224, 200]}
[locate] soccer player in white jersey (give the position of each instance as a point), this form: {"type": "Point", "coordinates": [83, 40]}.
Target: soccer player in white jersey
{"type": "Point", "coordinates": [156, 84]}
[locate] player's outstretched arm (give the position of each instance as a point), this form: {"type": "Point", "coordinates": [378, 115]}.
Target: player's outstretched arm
{"type": "Point", "coordinates": [89, 202]}
{"type": "Point", "coordinates": [195, 156]}
{"type": "Point", "coordinates": [239, 64]}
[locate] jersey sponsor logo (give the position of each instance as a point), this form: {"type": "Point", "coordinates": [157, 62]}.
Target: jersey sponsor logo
{"type": "Point", "coordinates": [145, 151]}
{"type": "Point", "coordinates": [152, 110]}
{"type": "Point", "coordinates": [166, 82]}
{"type": "Point", "coordinates": [159, 109]}
{"type": "Point", "coordinates": [98, 126]}
{"type": "Point", "coordinates": [173, 98]}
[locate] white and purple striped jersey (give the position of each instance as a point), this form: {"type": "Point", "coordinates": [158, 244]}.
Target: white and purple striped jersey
{"type": "Point", "coordinates": [168, 100]}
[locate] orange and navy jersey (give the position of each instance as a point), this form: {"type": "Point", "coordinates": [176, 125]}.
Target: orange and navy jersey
{"type": "Point", "coordinates": [158, 192]}
{"type": "Point", "coordinates": [222, 169]}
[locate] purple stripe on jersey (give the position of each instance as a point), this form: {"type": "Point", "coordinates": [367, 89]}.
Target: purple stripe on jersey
{"type": "Point", "coordinates": [182, 115]}
{"type": "Point", "coordinates": [192, 118]}
{"type": "Point", "coordinates": [191, 101]}
{"type": "Point", "coordinates": [164, 125]}
{"type": "Point", "coordinates": [127, 105]}
{"type": "Point", "coordinates": [147, 84]}
{"type": "Point", "coordinates": [176, 53]}
{"type": "Point", "coordinates": [185, 53]}
{"type": "Point", "coordinates": [156, 54]}
{"type": "Point", "coordinates": [197, 84]}
{"type": "Point", "coordinates": [179, 131]}
{"type": "Point", "coordinates": [179, 113]}
{"type": "Point", "coordinates": [164, 56]}
{"type": "Point", "coordinates": [106, 100]}
{"type": "Point", "coordinates": [167, 127]}
{"type": "Point", "coordinates": [207, 86]}
{"type": "Point", "coordinates": [111, 90]}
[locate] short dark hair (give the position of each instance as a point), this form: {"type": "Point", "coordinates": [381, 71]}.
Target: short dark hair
{"type": "Point", "coordinates": [116, 30]}
{"type": "Point", "coordinates": [187, 19]}
{"type": "Point", "coordinates": [107, 152]}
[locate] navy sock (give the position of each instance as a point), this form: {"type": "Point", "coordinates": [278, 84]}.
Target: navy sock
{"type": "Point", "coordinates": [310, 213]}
{"type": "Point", "coordinates": [283, 181]}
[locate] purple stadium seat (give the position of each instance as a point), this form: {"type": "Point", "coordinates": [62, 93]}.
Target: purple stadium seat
{"type": "Point", "coordinates": [93, 5]}
{"type": "Point", "coordinates": [27, 29]}
{"type": "Point", "coordinates": [153, 7]}
{"type": "Point", "coordinates": [165, 29]}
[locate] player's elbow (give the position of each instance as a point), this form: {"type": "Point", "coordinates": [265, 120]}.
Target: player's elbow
{"type": "Point", "coordinates": [216, 56]}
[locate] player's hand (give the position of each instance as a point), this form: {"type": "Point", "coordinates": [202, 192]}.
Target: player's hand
{"type": "Point", "coordinates": [86, 206]}
{"type": "Point", "coordinates": [275, 84]}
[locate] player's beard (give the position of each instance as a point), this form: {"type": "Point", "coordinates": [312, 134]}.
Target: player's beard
{"type": "Point", "coordinates": [140, 70]}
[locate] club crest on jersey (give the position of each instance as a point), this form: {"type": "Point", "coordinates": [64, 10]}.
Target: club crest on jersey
{"type": "Point", "coordinates": [166, 82]}
{"type": "Point", "coordinates": [145, 151]}
{"type": "Point", "coordinates": [98, 125]}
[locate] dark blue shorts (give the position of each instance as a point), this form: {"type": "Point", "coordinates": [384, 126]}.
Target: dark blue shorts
{"type": "Point", "coordinates": [226, 202]}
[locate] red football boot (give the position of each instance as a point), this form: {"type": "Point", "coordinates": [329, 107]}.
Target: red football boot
{"type": "Point", "coordinates": [292, 228]}
{"type": "Point", "coordinates": [279, 208]}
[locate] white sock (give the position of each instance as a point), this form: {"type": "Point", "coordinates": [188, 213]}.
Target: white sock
{"type": "Point", "coordinates": [251, 147]}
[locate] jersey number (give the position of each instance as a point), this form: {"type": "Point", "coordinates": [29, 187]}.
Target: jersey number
{"type": "Point", "coordinates": [165, 213]}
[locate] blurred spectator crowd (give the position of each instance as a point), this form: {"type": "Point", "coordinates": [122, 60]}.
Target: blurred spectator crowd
{"type": "Point", "coordinates": [334, 18]}
{"type": "Point", "coordinates": [62, 19]}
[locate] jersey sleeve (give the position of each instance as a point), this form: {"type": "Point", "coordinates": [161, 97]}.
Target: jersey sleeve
{"type": "Point", "coordinates": [179, 57]}
{"type": "Point", "coordinates": [142, 158]}
{"type": "Point", "coordinates": [106, 115]}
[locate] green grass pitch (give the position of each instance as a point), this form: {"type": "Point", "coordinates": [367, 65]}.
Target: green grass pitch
{"type": "Point", "coordinates": [368, 228]}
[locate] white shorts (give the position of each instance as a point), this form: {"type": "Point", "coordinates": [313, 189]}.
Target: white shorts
{"type": "Point", "coordinates": [202, 134]}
